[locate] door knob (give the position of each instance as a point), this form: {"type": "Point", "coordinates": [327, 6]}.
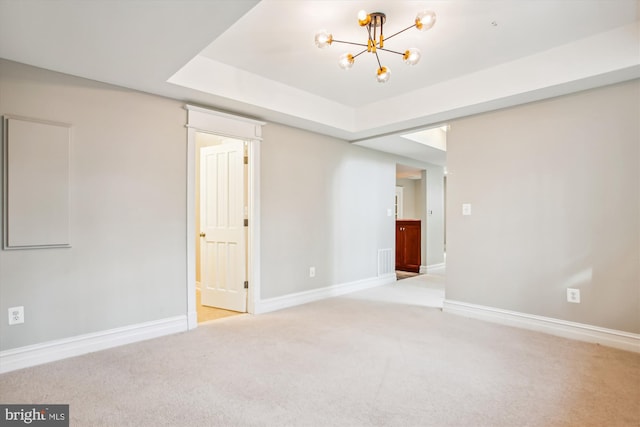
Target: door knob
{"type": "Point", "coordinates": [202, 234]}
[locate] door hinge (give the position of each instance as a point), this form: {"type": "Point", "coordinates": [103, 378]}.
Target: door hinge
{"type": "Point", "coordinates": [246, 160]}
{"type": "Point", "coordinates": [246, 284]}
{"type": "Point", "coordinates": [246, 222]}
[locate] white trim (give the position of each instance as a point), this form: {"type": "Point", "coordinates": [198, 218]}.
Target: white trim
{"type": "Point", "coordinates": [192, 319]}
{"type": "Point", "coordinates": [399, 205]}
{"type": "Point", "coordinates": [426, 268]}
{"type": "Point", "coordinates": [37, 354]}
{"type": "Point", "coordinates": [209, 111]}
{"type": "Point", "coordinates": [225, 124]}
{"type": "Point", "coordinates": [192, 314]}
{"type": "Point", "coordinates": [253, 250]}
{"type": "Point", "coordinates": [299, 298]}
{"type": "Point", "coordinates": [578, 331]}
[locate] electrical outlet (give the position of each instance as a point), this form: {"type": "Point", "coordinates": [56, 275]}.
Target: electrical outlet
{"type": "Point", "coordinates": [573, 295]}
{"type": "Point", "coordinates": [16, 315]}
{"type": "Point", "coordinates": [312, 272]}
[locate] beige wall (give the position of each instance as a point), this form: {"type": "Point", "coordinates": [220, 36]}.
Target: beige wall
{"type": "Point", "coordinates": [433, 242]}
{"type": "Point", "coordinates": [324, 204]}
{"type": "Point", "coordinates": [127, 262]}
{"type": "Point", "coordinates": [555, 194]}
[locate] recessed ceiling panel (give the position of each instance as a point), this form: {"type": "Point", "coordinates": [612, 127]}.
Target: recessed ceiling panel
{"type": "Point", "coordinates": [276, 40]}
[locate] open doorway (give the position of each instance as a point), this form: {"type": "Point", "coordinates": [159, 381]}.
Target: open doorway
{"type": "Point", "coordinates": [232, 146]}
{"type": "Point", "coordinates": [423, 200]}
{"type": "Point", "coordinates": [419, 218]}
{"type": "Point", "coordinates": [410, 220]}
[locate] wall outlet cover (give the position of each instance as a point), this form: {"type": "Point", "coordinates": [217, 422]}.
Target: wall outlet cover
{"type": "Point", "coordinates": [573, 295]}
{"type": "Point", "coordinates": [16, 315]}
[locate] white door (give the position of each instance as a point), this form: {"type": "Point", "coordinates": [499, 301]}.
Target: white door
{"type": "Point", "coordinates": [222, 233]}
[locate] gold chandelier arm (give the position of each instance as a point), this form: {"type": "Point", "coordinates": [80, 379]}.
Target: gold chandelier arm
{"type": "Point", "coordinates": [401, 31]}
{"type": "Point", "coordinates": [378, 59]}
{"type": "Point", "coordinates": [393, 51]}
{"type": "Point", "coordinates": [359, 53]}
{"type": "Point", "coordinates": [346, 42]}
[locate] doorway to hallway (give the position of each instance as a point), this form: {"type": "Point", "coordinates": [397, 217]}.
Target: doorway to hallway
{"type": "Point", "coordinates": [223, 238]}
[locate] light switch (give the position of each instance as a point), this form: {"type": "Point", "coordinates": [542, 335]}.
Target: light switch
{"type": "Point", "coordinates": [466, 209]}
{"type": "Point", "coordinates": [389, 212]}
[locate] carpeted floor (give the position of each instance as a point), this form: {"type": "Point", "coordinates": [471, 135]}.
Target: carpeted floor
{"type": "Point", "coordinates": [357, 360]}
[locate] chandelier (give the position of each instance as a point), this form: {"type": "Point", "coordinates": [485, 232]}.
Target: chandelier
{"type": "Point", "coordinates": [374, 22]}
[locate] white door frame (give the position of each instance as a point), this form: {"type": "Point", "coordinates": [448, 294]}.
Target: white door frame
{"type": "Point", "coordinates": [399, 202]}
{"type": "Point", "coordinates": [215, 122]}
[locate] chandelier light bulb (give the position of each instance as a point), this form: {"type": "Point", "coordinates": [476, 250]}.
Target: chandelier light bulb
{"type": "Point", "coordinates": [363, 18]}
{"type": "Point", "coordinates": [425, 20]}
{"type": "Point", "coordinates": [411, 56]}
{"type": "Point", "coordinates": [383, 75]}
{"type": "Point", "coordinates": [323, 39]}
{"type": "Point", "coordinates": [346, 61]}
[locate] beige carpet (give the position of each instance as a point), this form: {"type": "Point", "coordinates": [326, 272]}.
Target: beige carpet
{"type": "Point", "coordinates": [425, 290]}
{"type": "Point", "coordinates": [348, 361]}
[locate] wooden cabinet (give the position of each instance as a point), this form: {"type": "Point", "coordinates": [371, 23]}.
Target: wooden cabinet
{"type": "Point", "coordinates": [408, 245]}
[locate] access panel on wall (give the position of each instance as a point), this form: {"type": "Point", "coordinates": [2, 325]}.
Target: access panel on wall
{"type": "Point", "coordinates": [35, 183]}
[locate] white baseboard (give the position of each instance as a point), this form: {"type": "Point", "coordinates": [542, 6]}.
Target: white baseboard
{"type": "Point", "coordinates": [425, 268]}
{"type": "Point", "coordinates": [37, 354]}
{"type": "Point", "coordinates": [578, 331]}
{"type": "Point", "coordinates": [299, 298]}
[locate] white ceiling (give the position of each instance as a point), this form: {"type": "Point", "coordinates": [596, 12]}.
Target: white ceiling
{"type": "Point", "coordinates": [258, 58]}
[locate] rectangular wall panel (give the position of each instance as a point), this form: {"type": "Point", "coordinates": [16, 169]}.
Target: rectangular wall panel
{"type": "Point", "coordinates": [36, 184]}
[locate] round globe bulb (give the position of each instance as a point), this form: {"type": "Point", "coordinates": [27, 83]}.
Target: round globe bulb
{"type": "Point", "coordinates": [383, 75]}
{"type": "Point", "coordinates": [323, 39]}
{"type": "Point", "coordinates": [411, 56]}
{"type": "Point", "coordinates": [346, 61]}
{"type": "Point", "coordinates": [363, 18]}
{"type": "Point", "coordinates": [425, 20]}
